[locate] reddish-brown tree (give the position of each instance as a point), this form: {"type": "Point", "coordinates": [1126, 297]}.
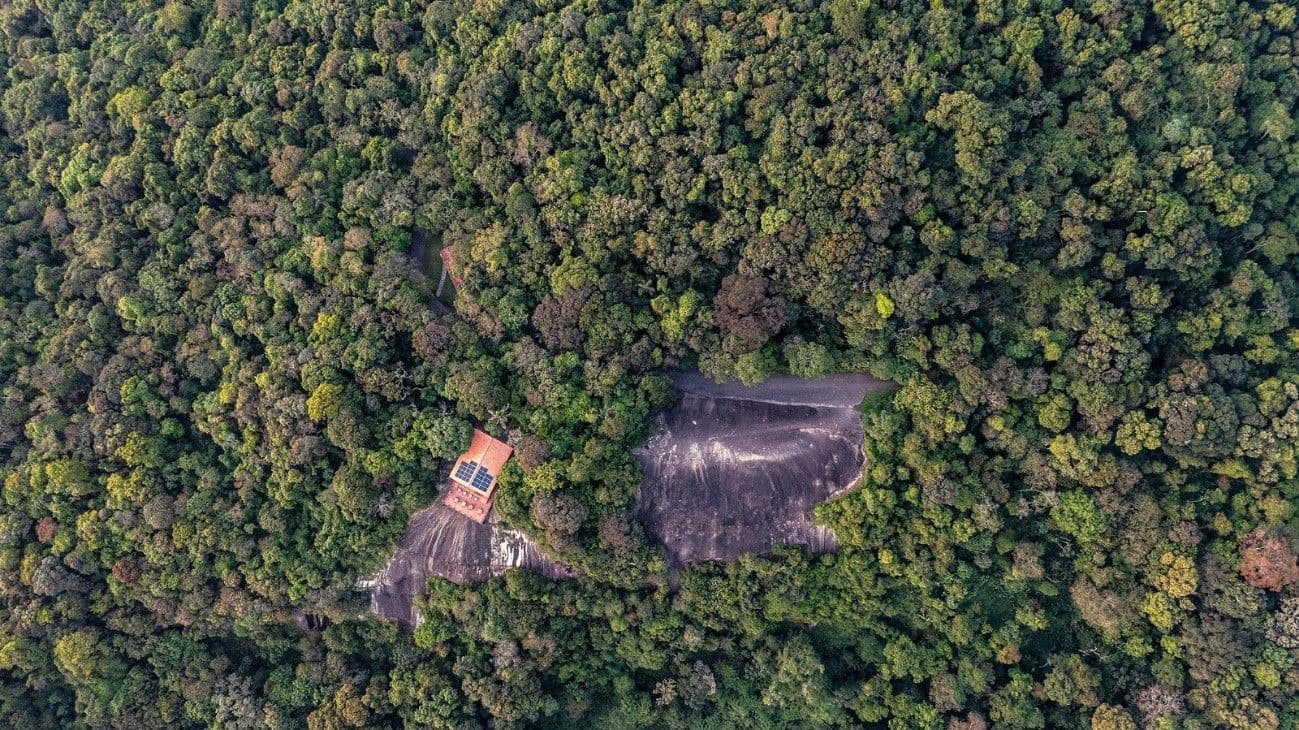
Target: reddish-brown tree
{"type": "Point", "coordinates": [749, 312]}
{"type": "Point", "coordinates": [1267, 562]}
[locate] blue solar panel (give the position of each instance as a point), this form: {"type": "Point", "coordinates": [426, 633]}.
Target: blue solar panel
{"type": "Point", "coordinates": [482, 481]}
{"type": "Point", "coordinates": [466, 470]}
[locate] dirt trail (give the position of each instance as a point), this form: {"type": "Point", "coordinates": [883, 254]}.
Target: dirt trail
{"type": "Point", "coordinates": [736, 470]}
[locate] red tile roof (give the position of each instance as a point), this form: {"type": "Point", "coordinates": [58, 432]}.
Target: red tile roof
{"type": "Point", "coordinates": [489, 455]}
{"type": "Point", "coordinates": [487, 451]}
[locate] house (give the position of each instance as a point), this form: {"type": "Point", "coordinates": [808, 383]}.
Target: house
{"type": "Point", "coordinates": [473, 478]}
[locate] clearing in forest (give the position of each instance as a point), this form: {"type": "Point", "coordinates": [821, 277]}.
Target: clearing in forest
{"type": "Point", "coordinates": [731, 470]}
{"type": "Point", "coordinates": [735, 470]}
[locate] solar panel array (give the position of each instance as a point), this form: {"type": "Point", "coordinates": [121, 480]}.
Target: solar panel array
{"type": "Point", "coordinates": [475, 475]}
{"type": "Point", "coordinates": [465, 471]}
{"type": "Point", "coordinates": [482, 481]}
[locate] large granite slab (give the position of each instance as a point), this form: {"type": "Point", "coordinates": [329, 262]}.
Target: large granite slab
{"type": "Point", "coordinates": [735, 470]}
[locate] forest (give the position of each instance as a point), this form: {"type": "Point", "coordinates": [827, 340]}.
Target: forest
{"type": "Point", "coordinates": [1066, 229]}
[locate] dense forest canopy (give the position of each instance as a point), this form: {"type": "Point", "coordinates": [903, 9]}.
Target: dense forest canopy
{"type": "Point", "coordinates": [1067, 230]}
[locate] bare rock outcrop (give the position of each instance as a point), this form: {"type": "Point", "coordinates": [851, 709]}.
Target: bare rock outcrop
{"type": "Point", "coordinates": [440, 542]}
{"type": "Point", "coordinates": [735, 470]}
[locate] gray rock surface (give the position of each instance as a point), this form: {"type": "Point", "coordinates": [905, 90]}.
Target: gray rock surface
{"type": "Point", "coordinates": [735, 470]}
{"type": "Point", "coordinates": [440, 542]}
